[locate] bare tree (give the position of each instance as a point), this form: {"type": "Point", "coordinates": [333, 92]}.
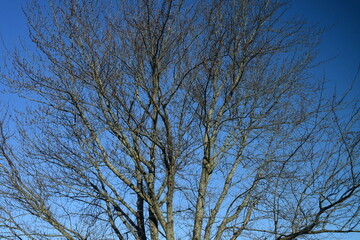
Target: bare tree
{"type": "Point", "coordinates": [175, 119]}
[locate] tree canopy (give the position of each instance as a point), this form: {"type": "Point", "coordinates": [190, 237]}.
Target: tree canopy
{"type": "Point", "coordinates": [175, 119]}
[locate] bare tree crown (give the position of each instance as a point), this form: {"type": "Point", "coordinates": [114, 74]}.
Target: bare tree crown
{"type": "Point", "coordinates": [175, 119]}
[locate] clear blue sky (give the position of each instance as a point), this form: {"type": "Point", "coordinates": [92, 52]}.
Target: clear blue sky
{"type": "Point", "coordinates": [341, 41]}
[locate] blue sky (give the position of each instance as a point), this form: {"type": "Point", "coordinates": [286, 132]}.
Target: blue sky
{"type": "Point", "coordinates": [341, 41]}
